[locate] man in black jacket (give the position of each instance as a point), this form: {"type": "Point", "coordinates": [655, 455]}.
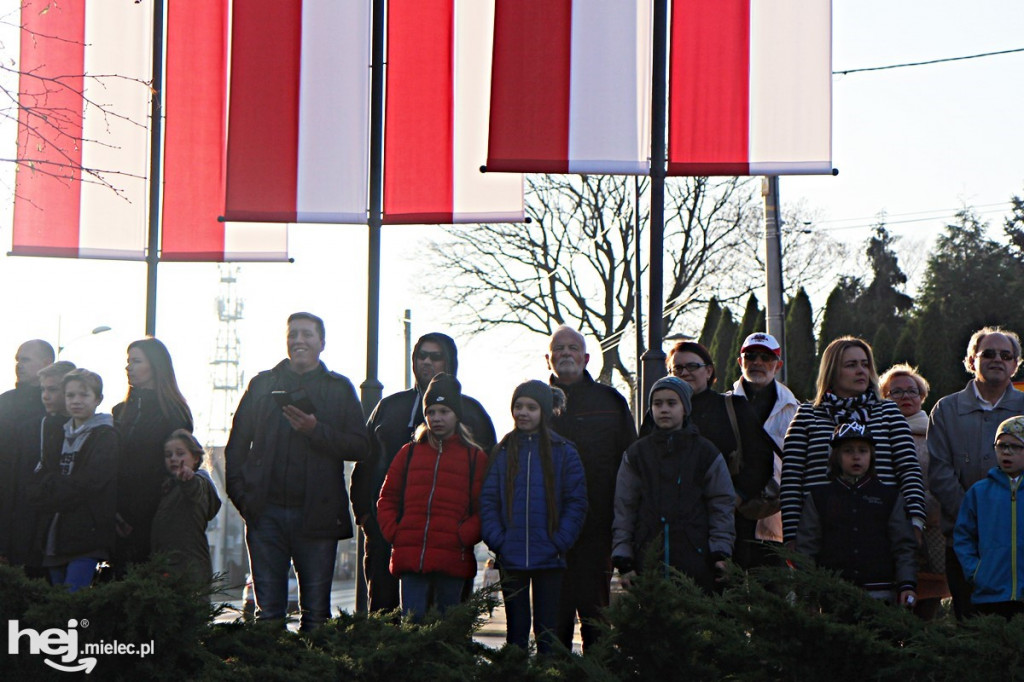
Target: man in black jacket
{"type": "Point", "coordinates": [294, 429]}
{"type": "Point", "coordinates": [597, 419]}
{"type": "Point", "coordinates": [389, 428]}
{"type": "Point", "coordinates": [21, 411]}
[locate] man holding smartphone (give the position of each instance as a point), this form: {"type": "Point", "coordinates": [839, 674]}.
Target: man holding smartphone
{"type": "Point", "coordinates": [293, 430]}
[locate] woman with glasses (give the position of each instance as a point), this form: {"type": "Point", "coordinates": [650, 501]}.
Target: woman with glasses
{"type": "Point", "coordinates": [749, 458]}
{"type": "Point", "coordinates": [847, 391]}
{"type": "Point", "coordinates": [904, 386]}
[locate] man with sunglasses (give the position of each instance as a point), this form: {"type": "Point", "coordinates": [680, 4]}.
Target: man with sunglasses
{"type": "Point", "coordinates": [774, 404]}
{"type": "Point", "coordinates": [961, 430]}
{"type": "Point", "coordinates": [391, 426]}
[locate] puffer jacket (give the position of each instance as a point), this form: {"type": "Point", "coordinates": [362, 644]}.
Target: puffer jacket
{"type": "Point", "coordinates": [524, 542]}
{"type": "Point", "coordinates": [429, 508]}
{"type": "Point", "coordinates": [989, 538]}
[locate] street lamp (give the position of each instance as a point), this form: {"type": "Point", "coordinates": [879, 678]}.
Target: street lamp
{"type": "Point", "coordinates": [60, 347]}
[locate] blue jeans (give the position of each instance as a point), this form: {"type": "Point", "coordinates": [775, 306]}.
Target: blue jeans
{"type": "Point", "coordinates": [547, 591]}
{"type": "Point", "coordinates": [275, 541]}
{"type": "Point", "coordinates": [420, 591]}
{"type": "Point", "coordinates": [75, 574]}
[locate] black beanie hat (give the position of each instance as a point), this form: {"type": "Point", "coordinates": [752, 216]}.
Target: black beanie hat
{"type": "Point", "coordinates": [538, 391]}
{"type": "Point", "coordinates": [444, 389]}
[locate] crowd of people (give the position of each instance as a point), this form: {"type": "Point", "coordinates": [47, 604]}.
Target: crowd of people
{"type": "Point", "coordinates": [911, 507]}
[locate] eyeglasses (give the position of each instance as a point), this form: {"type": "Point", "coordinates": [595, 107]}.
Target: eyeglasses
{"type": "Point", "coordinates": [434, 355]}
{"type": "Point", "coordinates": [1008, 448]}
{"type": "Point", "coordinates": [753, 356]}
{"type": "Point", "coordinates": [990, 353]}
{"type": "Point", "coordinates": [688, 368]}
{"type": "Point", "coordinates": [899, 393]}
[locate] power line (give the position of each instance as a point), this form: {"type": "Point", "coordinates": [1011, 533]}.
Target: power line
{"type": "Point", "coordinates": [931, 61]}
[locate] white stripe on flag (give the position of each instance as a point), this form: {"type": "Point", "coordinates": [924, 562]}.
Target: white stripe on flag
{"type": "Point", "coordinates": [476, 196]}
{"type": "Point", "coordinates": [790, 86]}
{"type": "Point", "coordinates": [258, 242]}
{"type": "Point", "coordinates": [334, 113]}
{"type": "Point", "coordinates": [118, 40]}
{"type": "Point", "coordinates": [610, 86]}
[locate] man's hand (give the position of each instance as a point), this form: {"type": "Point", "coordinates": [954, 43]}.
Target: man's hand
{"type": "Point", "coordinates": [300, 421]}
{"type": "Point", "coordinates": [908, 598]}
{"type": "Point", "coordinates": [123, 528]}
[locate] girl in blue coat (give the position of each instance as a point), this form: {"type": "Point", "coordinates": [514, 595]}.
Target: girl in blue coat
{"type": "Point", "coordinates": [532, 507]}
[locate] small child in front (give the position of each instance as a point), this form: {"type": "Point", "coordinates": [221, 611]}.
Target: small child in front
{"type": "Point", "coordinates": [858, 526]}
{"type": "Point", "coordinates": [989, 534]}
{"type": "Point", "coordinates": [74, 486]}
{"type": "Point", "coordinates": [189, 502]}
{"type": "Point", "coordinates": [674, 488]}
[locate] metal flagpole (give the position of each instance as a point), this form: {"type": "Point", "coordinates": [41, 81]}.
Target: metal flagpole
{"type": "Point", "coordinates": [654, 358]}
{"type": "Point", "coordinates": [776, 313]}
{"type": "Point", "coordinates": [155, 165]}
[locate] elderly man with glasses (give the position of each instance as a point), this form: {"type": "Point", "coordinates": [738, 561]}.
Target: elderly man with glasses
{"type": "Point", "coordinates": [961, 430]}
{"type": "Point", "coordinates": [391, 426]}
{"type": "Point", "coordinates": [775, 406]}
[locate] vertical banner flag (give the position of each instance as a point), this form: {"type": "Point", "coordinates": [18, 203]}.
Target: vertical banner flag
{"type": "Point", "coordinates": [298, 120]}
{"type": "Point", "coordinates": [195, 110]}
{"type": "Point", "coordinates": [435, 135]}
{"type": "Point", "coordinates": [750, 87]}
{"type": "Point", "coordinates": [83, 130]}
{"type": "Point", "coordinates": [571, 86]}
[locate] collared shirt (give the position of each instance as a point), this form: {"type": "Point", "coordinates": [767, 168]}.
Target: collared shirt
{"type": "Point", "coordinates": [982, 403]}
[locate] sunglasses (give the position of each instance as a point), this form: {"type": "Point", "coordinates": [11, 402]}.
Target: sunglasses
{"type": "Point", "coordinates": [990, 353]}
{"type": "Point", "coordinates": [753, 356]}
{"type": "Point", "coordinates": [690, 367]}
{"type": "Point", "coordinates": [433, 355]}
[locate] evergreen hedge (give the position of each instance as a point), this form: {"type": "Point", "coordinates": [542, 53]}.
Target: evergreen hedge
{"type": "Point", "coordinates": [771, 624]}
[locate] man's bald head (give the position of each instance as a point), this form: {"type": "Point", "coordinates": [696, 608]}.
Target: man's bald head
{"type": "Point", "coordinates": [31, 357]}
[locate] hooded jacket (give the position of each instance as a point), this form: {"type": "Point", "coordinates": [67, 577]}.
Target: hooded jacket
{"type": "Point", "coordinates": [179, 526]}
{"type": "Point", "coordinates": [393, 423]}
{"type": "Point", "coordinates": [523, 543]}
{"type": "Point", "coordinates": [429, 508]}
{"type": "Point", "coordinates": [989, 538]}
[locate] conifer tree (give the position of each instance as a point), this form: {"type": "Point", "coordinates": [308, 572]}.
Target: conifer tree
{"type": "Point", "coordinates": [838, 318]}
{"type": "Point", "coordinates": [905, 350]}
{"type": "Point", "coordinates": [882, 347]}
{"type": "Point", "coordinates": [799, 356]}
{"type": "Point", "coordinates": [711, 320]}
{"type": "Point", "coordinates": [748, 325]}
{"type": "Point", "coordinates": [721, 347]}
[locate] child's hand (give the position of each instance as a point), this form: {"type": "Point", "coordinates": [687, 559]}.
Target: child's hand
{"type": "Point", "coordinates": [908, 598]}
{"type": "Point", "coordinates": [185, 474]}
{"type": "Point", "coordinates": [720, 571]}
{"type": "Point", "coordinates": [300, 421]}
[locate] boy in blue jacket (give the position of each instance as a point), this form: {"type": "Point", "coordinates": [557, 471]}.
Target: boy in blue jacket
{"type": "Point", "coordinates": [989, 532]}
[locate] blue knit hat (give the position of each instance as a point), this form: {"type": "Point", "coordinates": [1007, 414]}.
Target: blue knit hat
{"type": "Point", "coordinates": [676, 384]}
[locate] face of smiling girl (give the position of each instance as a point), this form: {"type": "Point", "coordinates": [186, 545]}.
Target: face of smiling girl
{"type": "Point", "coordinates": [526, 412]}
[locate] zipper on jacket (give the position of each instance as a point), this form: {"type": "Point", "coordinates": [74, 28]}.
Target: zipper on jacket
{"type": "Point", "coordinates": [529, 460]}
{"type": "Point", "coordinates": [1013, 540]}
{"type": "Point", "coordinates": [430, 502]}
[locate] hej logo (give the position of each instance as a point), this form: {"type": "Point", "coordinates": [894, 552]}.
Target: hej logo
{"type": "Point", "coordinates": [52, 642]}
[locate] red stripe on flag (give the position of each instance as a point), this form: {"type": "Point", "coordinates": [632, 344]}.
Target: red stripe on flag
{"type": "Point", "coordinates": [419, 133]}
{"type": "Point", "coordinates": [709, 99]}
{"type": "Point", "coordinates": [194, 131]}
{"type": "Point", "coordinates": [529, 129]}
{"type": "Point", "coordinates": [262, 151]}
{"type": "Point", "coordinates": [48, 183]}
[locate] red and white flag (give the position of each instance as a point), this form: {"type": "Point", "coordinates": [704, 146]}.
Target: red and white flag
{"type": "Point", "coordinates": [571, 89]}
{"type": "Point", "coordinates": [435, 135]}
{"type": "Point", "coordinates": [195, 109]}
{"type": "Point", "coordinates": [298, 121]}
{"type": "Point", "coordinates": [750, 87]}
{"type": "Point", "coordinates": [82, 187]}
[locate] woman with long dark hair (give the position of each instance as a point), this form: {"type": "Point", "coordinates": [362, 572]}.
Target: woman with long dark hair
{"type": "Point", "coordinates": [153, 409]}
{"type": "Point", "coordinates": [847, 391]}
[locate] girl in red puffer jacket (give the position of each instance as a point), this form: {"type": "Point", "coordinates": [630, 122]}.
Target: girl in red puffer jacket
{"type": "Point", "coordinates": [428, 508]}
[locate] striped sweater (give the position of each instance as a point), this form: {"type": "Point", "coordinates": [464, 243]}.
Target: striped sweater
{"type": "Point", "coordinates": [806, 451]}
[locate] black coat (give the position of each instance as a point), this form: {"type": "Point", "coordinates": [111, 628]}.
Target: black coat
{"type": "Point", "coordinates": [86, 498]}
{"type": "Point", "coordinates": [21, 411]}
{"type": "Point", "coordinates": [339, 435]}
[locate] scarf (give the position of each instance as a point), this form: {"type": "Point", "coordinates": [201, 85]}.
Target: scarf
{"type": "Point", "coordinates": [74, 438]}
{"type": "Point", "coordinates": [855, 409]}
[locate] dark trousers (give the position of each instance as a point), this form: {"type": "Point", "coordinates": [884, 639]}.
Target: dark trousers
{"type": "Point", "coordinates": [1006, 609]}
{"type": "Point", "coordinates": [586, 590]}
{"type": "Point", "coordinates": [959, 588]}
{"type": "Point", "coordinates": [546, 588]}
{"type": "Point", "coordinates": [381, 587]}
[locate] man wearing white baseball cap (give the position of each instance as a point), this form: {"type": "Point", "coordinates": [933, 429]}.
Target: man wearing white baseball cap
{"type": "Point", "coordinates": [773, 403]}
